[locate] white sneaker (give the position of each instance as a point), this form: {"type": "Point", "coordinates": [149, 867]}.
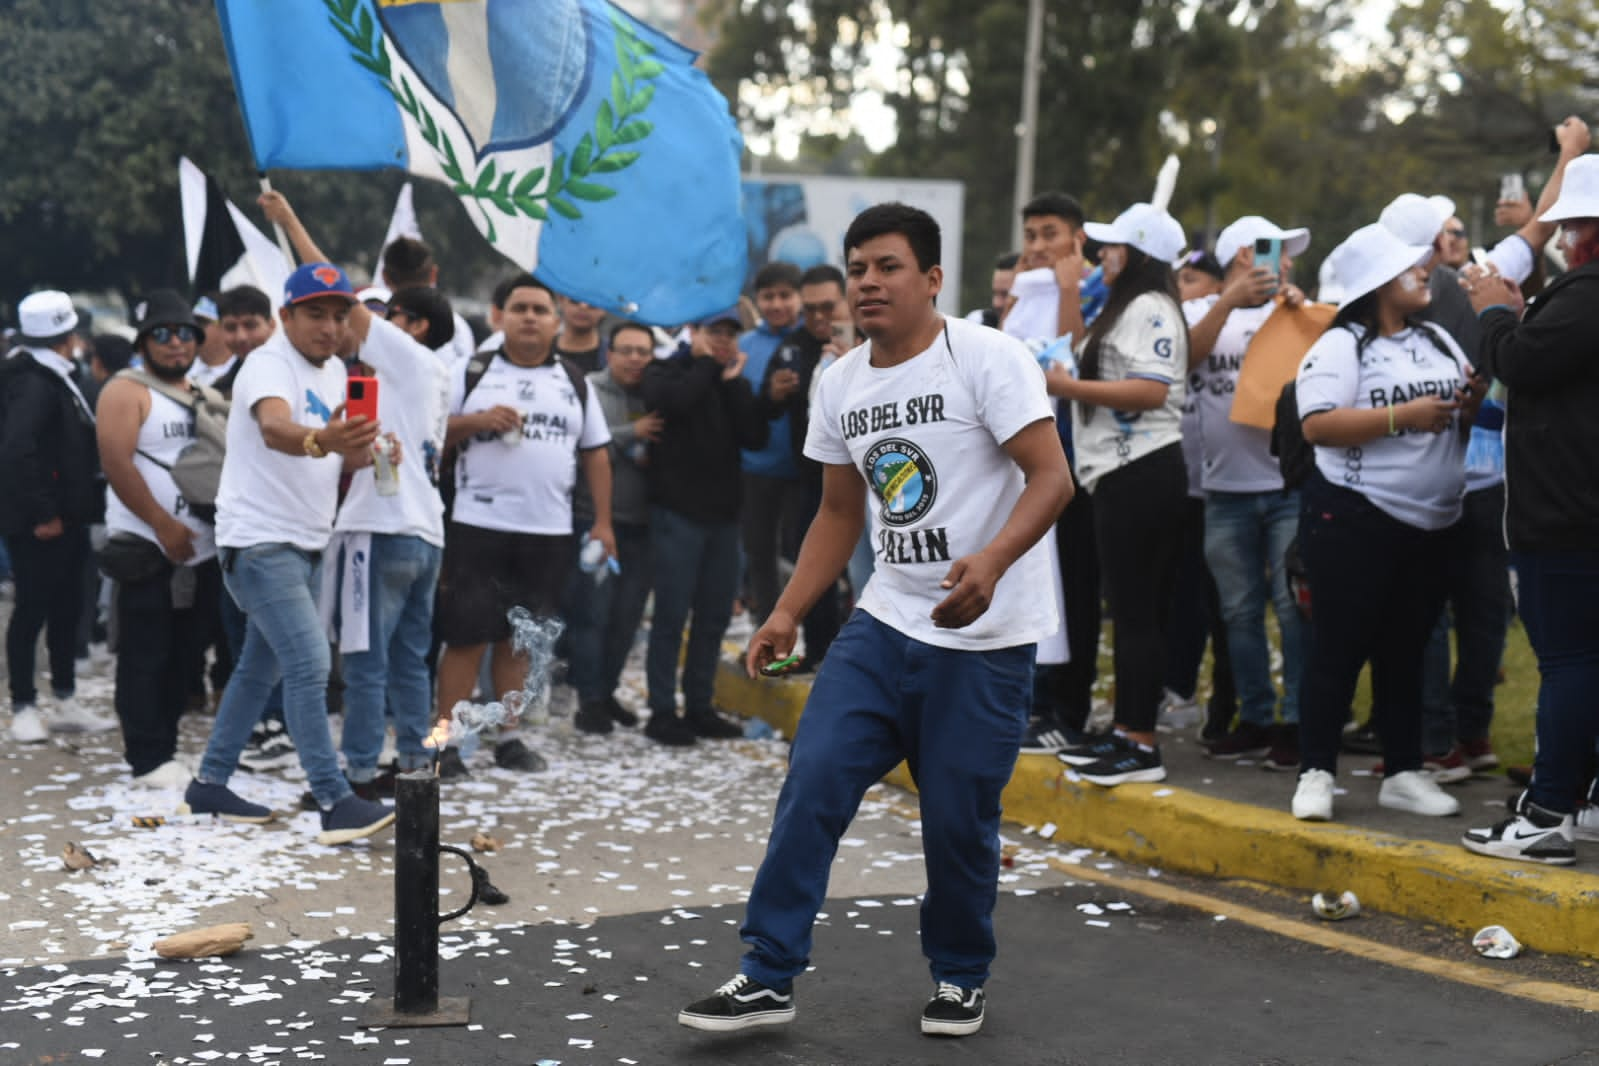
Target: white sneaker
{"type": "Point", "coordinates": [1313, 799]}
{"type": "Point", "coordinates": [170, 774]}
{"type": "Point", "coordinates": [27, 727]}
{"type": "Point", "coordinates": [1417, 792]}
{"type": "Point", "coordinates": [1178, 714]}
{"type": "Point", "coordinates": [68, 716]}
{"type": "Point", "coordinates": [1586, 823]}
{"type": "Point", "coordinates": [1532, 835]}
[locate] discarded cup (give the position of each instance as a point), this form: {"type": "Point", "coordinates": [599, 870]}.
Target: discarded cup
{"type": "Point", "coordinates": [1335, 908]}
{"type": "Point", "coordinates": [1495, 942]}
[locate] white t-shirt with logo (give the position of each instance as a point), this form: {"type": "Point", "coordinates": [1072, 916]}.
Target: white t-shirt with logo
{"type": "Point", "coordinates": [927, 437]}
{"type": "Point", "coordinates": [1417, 477]}
{"type": "Point", "coordinates": [1148, 341]}
{"type": "Point", "coordinates": [413, 389]}
{"type": "Point", "coordinates": [202, 373]}
{"type": "Point", "coordinates": [1233, 457]}
{"type": "Point", "coordinates": [271, 497]}
{"type": "Point", "coordinates": [166, 432]}
{"type": "Point", "coordinates": [524, 487]}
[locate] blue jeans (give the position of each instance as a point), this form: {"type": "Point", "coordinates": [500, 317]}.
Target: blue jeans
{"type": "Point", "coordinates": [1247, 534]}
{"type": "Point", "coordinates": [958, 718]}
{"type": "Point", "coordinates": [234, 625]}
{"type": "Point", "coordinates": [1558, 599]}
{"type": "Point", "coordinates": [1462, 708]}
{"type": "Point", "coordinates": [276, 586]}
{"type": "Point", "coordinates": [695, 569]}
{"type": "Point", "coordinates": [392, 674]}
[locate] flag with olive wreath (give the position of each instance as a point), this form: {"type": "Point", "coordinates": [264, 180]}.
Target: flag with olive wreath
{"type": "Point", "coordinates": [583, 143]}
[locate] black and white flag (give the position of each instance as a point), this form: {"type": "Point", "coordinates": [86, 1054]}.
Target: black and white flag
{"type": "Point", "coordinates": [224, 247]}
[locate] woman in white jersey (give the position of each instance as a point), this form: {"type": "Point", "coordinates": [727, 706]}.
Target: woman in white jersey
{"type": "Point", "coordinates": [1127, 424]}
{"type": "Point", "coordinates": [1383, 398]}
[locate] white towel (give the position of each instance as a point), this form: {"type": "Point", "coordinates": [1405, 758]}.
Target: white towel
{"type": "Point", "coordinates": [1036, 316]}
{"type": "Point", "coordinates": [1055, 648]}
{"type": "Point", "coordinates": [347, 591]}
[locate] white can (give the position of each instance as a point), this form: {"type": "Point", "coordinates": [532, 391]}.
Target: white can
{"type": "Point", "coordinates": [513, 437]}
{"type": "Point", "coordinates": [385, 475]}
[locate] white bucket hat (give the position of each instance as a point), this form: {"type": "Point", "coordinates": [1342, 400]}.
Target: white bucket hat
{"type": "Point", "coordinates": [1145, 227]}
{"type": "Point", "coordinates": [1579, 192]}
{"type": "Point", "coordinates": [1370, 258]}
{"type": "Point", "coordinates": [45, 315]}
{"type": "Point", "coordinates": [1416, 219]}
{"type": "Point", "coordinates": [1247, 230]}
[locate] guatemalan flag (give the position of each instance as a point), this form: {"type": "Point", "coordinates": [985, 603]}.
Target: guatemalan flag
{"type": "Point", "coordinates": [583, 143]}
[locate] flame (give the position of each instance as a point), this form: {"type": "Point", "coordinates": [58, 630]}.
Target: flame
{"type": "Point", "coordinates": [439, 737]}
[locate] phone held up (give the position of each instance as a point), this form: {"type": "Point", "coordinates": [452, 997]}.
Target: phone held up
{"type": "Point", "coordinates": [361, 398]}
{"type": "Point", "coordinates": [1269, 257]}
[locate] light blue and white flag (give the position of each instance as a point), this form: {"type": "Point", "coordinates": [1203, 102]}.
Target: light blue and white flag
{"type": "Point", "coordinates": [583, 143]}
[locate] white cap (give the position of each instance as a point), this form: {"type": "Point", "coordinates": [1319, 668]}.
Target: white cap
{"type": "Point", "coordinates": [45, 315]}
{"type": "Point", "coordinates": [1329, 289]}
{"type": "Point", "coordinates": [206, 308]}
{"type": "Point", "coordinates": [1579, 191]}
{"type": "Point", "coordinates": [1417, 219]}
{"type": "Point", "coordinates": [375, 292]}
{"type": "Point", "coordinates": [1145, 227]}
{"type": "Point", "coordinates": [1247, 230]}
{"type": "Point", "coordinates": [1370, 258]}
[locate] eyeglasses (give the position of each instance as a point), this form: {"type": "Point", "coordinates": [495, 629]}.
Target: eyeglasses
{"type": "Point", "coordinates": [1457, 234]}
{"type": "Point", "coordinates": [168, 334]}
{"type": "Point", "coordinates": [628, 349]}
{"type": "Point", "coordinates": [820, 309]}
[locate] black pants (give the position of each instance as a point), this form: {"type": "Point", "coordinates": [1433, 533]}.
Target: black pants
{"type": "Point", "coordinates": [767, 520]}
{"type": "Point", "coordinates": [1376, 587]}
{"type": "Point", "coordinates": [1069, 686]}
{"type": "Point", "coordinates": [157, 645]}
{"type": "Point", "coordinates": [1138, 516]}
{"type": "Point", "coordinates": [821, 625]}
{"type": "Point", "coordinates": [49, 595]}
{"type": "Point", "coordinates": [1196, 619]}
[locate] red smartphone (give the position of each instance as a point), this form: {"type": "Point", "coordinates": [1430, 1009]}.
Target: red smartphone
{"type": "Point", "coordinates": [361, 398]}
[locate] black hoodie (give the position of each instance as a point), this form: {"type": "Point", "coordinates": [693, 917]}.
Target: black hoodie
{"type": "Point", "coordinates": [694, 469]}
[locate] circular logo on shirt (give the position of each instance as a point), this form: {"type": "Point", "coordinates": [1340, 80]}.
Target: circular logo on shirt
{"type": "Point", "coordinates": [903, 478]}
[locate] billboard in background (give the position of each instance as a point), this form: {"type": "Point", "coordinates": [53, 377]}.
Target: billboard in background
{"type": "Point", "coordinates": [802, 220]}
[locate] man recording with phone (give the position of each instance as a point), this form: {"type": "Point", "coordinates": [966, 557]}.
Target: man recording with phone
{"type": "Point", "coordinates": [826, 333]}
{"type": "Point", "coordinates": [1250, 516]}
{"type": "Point", "coordinates": [288, 442]}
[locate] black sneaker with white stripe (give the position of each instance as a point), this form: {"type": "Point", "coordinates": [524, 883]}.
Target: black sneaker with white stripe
{"type": "Point", "coordinates": [1137, 763]}
{"type": "Point", "coordinates": [1044, 737]}
{"type": "Point", "coordinates": [953, 1011]}
{"type": "Point", "coordinates": [742, 1003]}
{"type": "Point", "coordinates": [1094, 748]}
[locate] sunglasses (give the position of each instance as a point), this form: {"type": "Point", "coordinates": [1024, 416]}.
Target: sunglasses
{"type": "Point", "coordinates": [1458, 234]}
{"type": "Point", "coordinates": [168, 334]}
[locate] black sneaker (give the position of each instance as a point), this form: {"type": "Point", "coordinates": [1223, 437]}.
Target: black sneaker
{"type": "Point", "coordinates": [1218, 720]}
{"type": "Point", "coordinates": [1246, 741]}
{"type": "Point", "coordinates": [742, 1003]}
{"type": "Point", "coordinates": [708, 724]}
{"type": "Point", "coordinates": [619, 714]}
{"type": "Point", "coordinates": [1044, 737]}
{"type": "Point", "coordinates": [1095, 748]}
{"type": "Point", "coordinates": [451, 766]}
{"type": "Point", "coordinates": [1137, 763]}
{"type": "Point", "coordinates": [593, 718]}
{"type": "Point", "coordinates": [219, 800]}
{"type": "Point", "coordinates": [1362, 739]}
{"type": "Point", "coordinates": [1284, 753]}
{"type": "Point", "coordinates": [269, 748]}
{"type": "Point", "coordinates": [953, 1011]}
{"type": "Point", "coordinates": [353, 818]}
{"type": "Point", "coordinates": [378, 787]}
{"type": "Point", "coordinates": [1533, 834]}
{"type": "Point", "coordinates": [514, 755]}
{"type": "Point", "coordinates": [665, 727]}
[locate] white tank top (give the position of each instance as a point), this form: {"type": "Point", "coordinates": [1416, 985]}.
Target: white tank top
{"type": "Point", "coordinates": [167, 430]}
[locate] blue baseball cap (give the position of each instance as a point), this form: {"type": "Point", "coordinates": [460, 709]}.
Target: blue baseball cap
{"type": "Point", "coordinates": [728, 315]}
{"type": "Point", "coordinates": [314, 280]}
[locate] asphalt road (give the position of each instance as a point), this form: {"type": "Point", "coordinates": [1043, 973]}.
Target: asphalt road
{"type": "Point", "coordinates": [1147, 984]}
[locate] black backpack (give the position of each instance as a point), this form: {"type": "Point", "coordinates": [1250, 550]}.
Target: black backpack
{"type": "Point", "coordinates": [476, 367]}
{"type": "Point", "coordinates": [1295, 455]}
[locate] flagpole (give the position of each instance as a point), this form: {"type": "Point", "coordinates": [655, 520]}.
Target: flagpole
{"type": "Point", "coordinates": [283, 238]}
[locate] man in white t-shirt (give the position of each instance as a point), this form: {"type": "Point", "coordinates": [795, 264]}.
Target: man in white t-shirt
{"type": "Point", "coordinates": [388, 538]}
{"type": "Point", "coordinates": [407, 263]}
{"type": "Point", "coordinates": [1250, 518]}
{"type": "Point", "coordinates": [162, 615]}
{"type": "Point", "coordinates": [524, 421]}
{"type": "Point", "coordinates": [947, 425]}
{"type": "Point", "coordinates": [287, 445]}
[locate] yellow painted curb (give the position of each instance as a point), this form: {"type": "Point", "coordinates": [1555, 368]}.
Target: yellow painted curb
{"type": "Point", "coordinates": [1547, 908]}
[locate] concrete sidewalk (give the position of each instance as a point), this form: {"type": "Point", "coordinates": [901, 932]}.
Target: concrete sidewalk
{"type": "Point", "coordinates": [1231, 821]}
